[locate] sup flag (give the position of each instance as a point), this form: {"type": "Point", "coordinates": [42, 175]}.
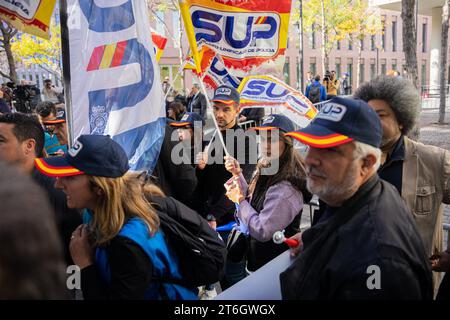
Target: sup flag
{"type": "Point", "coordinates": [159, 42]}
{"type": "Point", "coordinates": [213, 70]}
{"type": "Point", "coordinates": [268, 91]}
{"type": "Point", "coordinates": [250, 36]}
{"type": "Point", "coordinates": [115, 81]}
{"type": "Point", "coordinates": [28, 16]}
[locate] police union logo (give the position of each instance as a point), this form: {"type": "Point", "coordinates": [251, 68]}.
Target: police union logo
{"type": "Point", "coordinates": [332, 111]}
{"type": "Point", "coordinates": [76, 148]}
{"type": "Point", "coordinates": [269, 119]}
{"type": "Point", "coordinates": [223, 91]}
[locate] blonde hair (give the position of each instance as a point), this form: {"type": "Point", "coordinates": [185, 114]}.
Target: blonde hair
{"type": "Point", "coordinates": [120, 199]}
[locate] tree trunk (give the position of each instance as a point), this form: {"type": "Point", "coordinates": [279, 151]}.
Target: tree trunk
{"type": "Point", "coordinates": [8, 33]}
{"type": "Point", "coordinates": [410, 40]}
{"type": "Point", "coordinates": [358, 67]}
{"type": "Point", "coordinates": [444, 41]}
{"type": "Point", "coordinates": [324, 39]}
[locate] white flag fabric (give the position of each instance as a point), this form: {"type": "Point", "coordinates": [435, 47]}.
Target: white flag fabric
{"type": "Point", "coordinates": [115, 81]}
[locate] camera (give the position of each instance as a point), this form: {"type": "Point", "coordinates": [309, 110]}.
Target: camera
{"type": "Point", "coordinates": [27, 96]}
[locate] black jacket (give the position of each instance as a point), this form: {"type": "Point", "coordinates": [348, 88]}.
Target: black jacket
{"type": "Point", "coordinates": [176, 180]}
{"type": "Point", "coordinates": [198, 104]}
{"type": "Point", "coordinates": [209, 196]}
{"type": "Point", "coordinates": [131, 273]}
{"type": "Point", "coordinates": [373, 228]}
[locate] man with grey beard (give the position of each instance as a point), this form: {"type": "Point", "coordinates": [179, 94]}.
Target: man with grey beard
{"type": "Point", "coordinates": [365, 245]}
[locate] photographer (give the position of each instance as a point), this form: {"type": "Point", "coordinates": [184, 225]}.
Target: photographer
{"type": "Point", "coordinates": [26, 97]}
{"type": "Point", "coordinates": [331, 84]}
{"type": "Point", "coordinates": [49, 92]}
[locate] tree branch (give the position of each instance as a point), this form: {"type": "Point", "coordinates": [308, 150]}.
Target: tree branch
{"type": "Point", "coordinates": [5, 75]}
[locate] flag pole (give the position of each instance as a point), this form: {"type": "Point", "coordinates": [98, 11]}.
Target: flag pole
{"type": "Point", "coordinates": [65, 48]}
{"type": "Point", "coordinates": [208, 105]}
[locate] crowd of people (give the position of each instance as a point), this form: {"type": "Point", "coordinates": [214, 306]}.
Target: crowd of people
{"type": "Point", "coordinates": [381, 200]}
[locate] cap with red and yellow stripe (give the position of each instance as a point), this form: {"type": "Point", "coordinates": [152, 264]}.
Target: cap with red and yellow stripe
{"type": "Point", "coordinates": [341, 121]}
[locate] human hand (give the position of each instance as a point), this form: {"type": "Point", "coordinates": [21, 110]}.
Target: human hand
{"type": "Point", "coordinates": [296, 250]}
{"type": "Point", "coordinates": [234, 190]}
{"type": "Point", "coordinates": [213, 224]}
{"type": "Point", "coordinates": [202, 160]}
{"type": "Point", "coordinates": [232, 165]}
{"type": "Point", "coordinates": [440, 261]}
{"type": "Point", "coordinates": [81, 251]}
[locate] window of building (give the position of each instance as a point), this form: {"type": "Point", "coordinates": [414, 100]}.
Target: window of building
{"type": "Point", "coordinates": [338, 70]}
{"type": "Point", "coordinates": [383, 68]}
{"type": "Point", "coordinates": [394, 36]}
{"type": "Point", "coordinates": [338, 45]}
{"type": "Point", "coordinates": [373, 71]}
{"type": "Point", "coordinates": [171, 72]}
{"type": "Point", "coordinates": [394, 67]}
{"type": "Point", "coordinates": [350, 43]}
{"type": "Point", "coordinates": [350, 72]}
{"type": "Point", "coordinates": [383, 33]}
{"type": "Point", "coordinates": [313, 68]}
{"type": "Point", "coordinates": [361, 72]}
{"type": "Point", "coordinates": [361, 44]}
{"type": "Point", "coordinates": [424, 37]}
{"type": "Point", "coordinates": [372, 43]}
{"type": "Point", "coordinates": [423, 75]}
{"type": "Point", "coordinates": [313, 37]}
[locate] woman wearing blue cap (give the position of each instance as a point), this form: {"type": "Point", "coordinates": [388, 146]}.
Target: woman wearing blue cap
{"type": "Point", "coordinates": [121, 248]}
{"type": "Point", "coordinates": [274, 200]}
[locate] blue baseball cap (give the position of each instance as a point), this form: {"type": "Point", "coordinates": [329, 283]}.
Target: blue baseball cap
{"type": "Point", "coordinates": [226, 95]}
{"type": "Point", "coordinates": [187, 120]}
{"type": "Point", "coordinates": [340, 121]}
{"type": "Point", "coordinates": [276, 121]}
{"type": "Point", "coordinates": [95, 155]}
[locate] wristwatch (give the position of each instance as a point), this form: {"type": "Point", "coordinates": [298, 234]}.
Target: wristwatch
{"type": "Point", "coordinates": [210, 217]}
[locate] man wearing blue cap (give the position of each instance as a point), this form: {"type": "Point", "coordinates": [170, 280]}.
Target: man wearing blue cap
{"type": "Point", "coordinates": [366, 245]}
{"type": "Point", "coordinates": [209, 197]}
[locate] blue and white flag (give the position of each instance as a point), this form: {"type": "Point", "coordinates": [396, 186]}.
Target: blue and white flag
{"type": "Point", "coordinates": [115, 81]}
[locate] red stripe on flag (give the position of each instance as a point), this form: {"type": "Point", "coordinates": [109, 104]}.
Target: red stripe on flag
{"type": "Point", "coordinates": [96, 58]}
{"type": "Point", "coordinates": [118, 54]}
{"type": "Point", "coordinates": [263, 20]}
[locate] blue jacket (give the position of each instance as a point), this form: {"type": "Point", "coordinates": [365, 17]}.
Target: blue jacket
{"type": "Point", "coordinates": [164, 260]}
{"type": "Point", "coordinates": [323, 91]}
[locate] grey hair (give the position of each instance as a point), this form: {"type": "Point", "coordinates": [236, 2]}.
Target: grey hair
{"type": "Point", "coordinates": [362, 150]}
{"type": "Point", "coordinates": [196, 85]}
{"type": "Point", "coordinates": [399, 93]}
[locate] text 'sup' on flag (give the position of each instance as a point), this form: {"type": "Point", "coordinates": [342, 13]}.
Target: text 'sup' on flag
{"type": "Point", "coordinates": [115, 81]}
{"type": "Point", "coordinates": [29, 16]}
{"type": "Point", "coordinates": [250, 36]}
{"type": "Point", "coordinates": [213, 70]}
{"type": "Point", "coordinates": [268, 91]}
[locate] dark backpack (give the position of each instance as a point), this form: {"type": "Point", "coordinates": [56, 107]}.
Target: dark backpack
{"type": "Point", "coordinates": [201, 252]}
{"type": "Point", "coordinates": [314, 94]}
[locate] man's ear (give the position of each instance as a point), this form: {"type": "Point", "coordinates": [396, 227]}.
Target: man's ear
{"type": "Point", "coordinates": [29, 147]}
{"type": "Point", "coordinates": [368, 162]}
